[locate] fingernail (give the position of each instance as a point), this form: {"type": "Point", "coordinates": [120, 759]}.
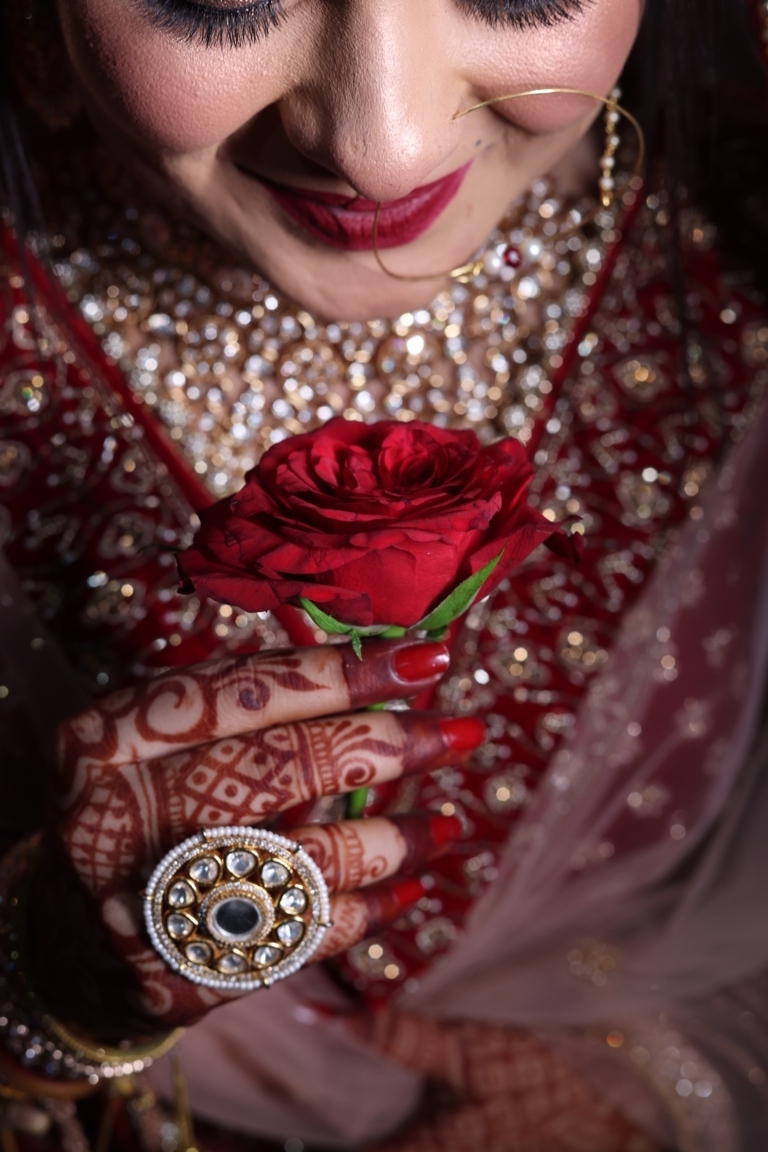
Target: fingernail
{"type": "Point", "coordinates": [390, 670]}
{"type": "Point", "coordinates": [464, 733]}
{"type": "Point", "coordinates": [437, 741]}
{"type": "Point", "coordinates": [426, 835]}
{"type": "Point", "coordinates": [407, 892]}
{"type": "Point", "coordinates": [445, 830]}
{"type": "Point", "coordinates": [420, 662]}
{"type": "Point", "coordinates": [387, 901]}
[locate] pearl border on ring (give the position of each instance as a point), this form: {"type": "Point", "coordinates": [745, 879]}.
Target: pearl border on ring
{"type": "Point", "coordinates": [174, 867]}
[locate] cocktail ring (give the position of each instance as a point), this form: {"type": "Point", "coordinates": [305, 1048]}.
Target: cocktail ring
{"type": "Point", "coordinates": [236, 908]}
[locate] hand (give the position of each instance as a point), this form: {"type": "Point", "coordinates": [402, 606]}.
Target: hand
{"type": "Point", "coordinates": [511, 1092]}
{"type": "Point", "coordinates": [236, 741]}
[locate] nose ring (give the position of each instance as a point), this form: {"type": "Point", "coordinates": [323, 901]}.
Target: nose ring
{"type": "Point", "coordinates": [607, 184]}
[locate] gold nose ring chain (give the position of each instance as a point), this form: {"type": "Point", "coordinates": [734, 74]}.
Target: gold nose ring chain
{"type": "Point", "coordinates": [607, 183]}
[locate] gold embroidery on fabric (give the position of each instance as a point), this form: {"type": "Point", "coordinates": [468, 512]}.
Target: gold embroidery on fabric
{"type": "Point", "coordinates": [230, 366]}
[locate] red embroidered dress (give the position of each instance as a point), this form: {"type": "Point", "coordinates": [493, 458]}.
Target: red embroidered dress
{"type": "Point", "coordinates": [96, 495]}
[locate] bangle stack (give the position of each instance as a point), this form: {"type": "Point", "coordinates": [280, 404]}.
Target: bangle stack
{"type": "Point", "coordinates": [36, 1040]}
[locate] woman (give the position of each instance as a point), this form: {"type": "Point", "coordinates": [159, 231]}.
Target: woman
{"type": "Point", "coordinates": [240, 221]}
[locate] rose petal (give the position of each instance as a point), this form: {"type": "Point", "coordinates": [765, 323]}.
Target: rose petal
{"type": "Point", "coordinates": [375, 523]}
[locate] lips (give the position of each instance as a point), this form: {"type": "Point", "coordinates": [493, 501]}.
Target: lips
{"type": "Point", "coordinates": [347, 222]}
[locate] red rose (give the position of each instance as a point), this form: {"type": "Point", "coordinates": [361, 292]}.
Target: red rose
{"type": "Point", "coordinates": [375, 523]}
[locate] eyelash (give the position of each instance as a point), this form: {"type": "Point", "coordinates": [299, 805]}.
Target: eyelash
{"type": "Point", "coordinates": [522, 14]}
{"type": "Point", "coordinates": [236, 27]}
{"type": "Point", "coordinates": [215, 27]}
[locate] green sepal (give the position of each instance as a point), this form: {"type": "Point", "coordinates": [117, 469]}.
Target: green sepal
{"type": "Point", "coordinates": [323, 620]}
{"type": "Point", "coordinates": [337, 628]}
{"type": "Point", "coordinates": [330, 624]}
{"type": "Point", "coordinates": [435, 624]}
{"type": "Point", "coordinates": [459, 600]}
{"type": "Point", "coordinates": [437, 633]}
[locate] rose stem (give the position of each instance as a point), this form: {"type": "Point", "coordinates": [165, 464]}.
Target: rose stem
{"type": "Point", "coordinates": [356, 800]}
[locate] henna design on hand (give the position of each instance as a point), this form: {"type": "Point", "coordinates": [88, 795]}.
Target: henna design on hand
{"type": "Point", "coordinates": [129, 816]}
{"type": "Point", "coordinates": [354, 854]}
{"type": "Point", "coordinates": [212, 701]}
{"type": "Point", "coordinates": [349, 920]}
{"type": "Point", "coordinates": [234, 742]}
{"type": "Point", "coordinates": [257, 695]}
{"type": "Point", "coordinates": [339, 852]}
{"type": "Point", "coordinates": [357, 915]}
{"type": "Point", "coordinates": [196, 705]}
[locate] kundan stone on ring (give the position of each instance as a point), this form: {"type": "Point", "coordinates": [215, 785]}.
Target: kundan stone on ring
{"type": "Point", "coordinates": [236, 908]}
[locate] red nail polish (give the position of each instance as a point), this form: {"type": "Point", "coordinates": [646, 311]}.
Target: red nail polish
{"type": "Point", "coordinates": [420, 662]}
{"type": "Point", "coordinates": [463, 734]}
{"type": "Point", "coordinates": [445, 830]}
{"type": "Point", "coordinates": [407, 892]}
{"type": "Point", "coordinates": [386, 902]}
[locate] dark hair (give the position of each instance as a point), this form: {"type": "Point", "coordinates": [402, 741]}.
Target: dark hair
{"type": "Point", "coordinates": [695, 79]}
{"type": "Point", "coordinates": [699, 83]}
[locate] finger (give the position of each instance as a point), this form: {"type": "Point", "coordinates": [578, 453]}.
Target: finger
{"type": "Point", "coordinates": [356, 853]}
{"type": "Point", "coordinates": [127, 818]}
{"type": "Point", "coordinates": [357, 915]}
{"type": "Point", "coordinates": [247, 779]}
{"type": "Point", "coordinates": [207, 702]}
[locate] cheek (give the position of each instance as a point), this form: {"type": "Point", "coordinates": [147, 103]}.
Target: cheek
{"type": "Point", "coordinates": [587, 53]}
{"type": "Point", "coordinates": [166, 95]}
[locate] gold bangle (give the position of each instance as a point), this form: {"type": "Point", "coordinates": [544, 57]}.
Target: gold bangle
{"type": "Point", "coordinates": [143, 1054]}
{"type": "Point", "coordinates": [35, 1036]}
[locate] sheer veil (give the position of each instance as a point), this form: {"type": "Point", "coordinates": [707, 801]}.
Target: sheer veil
{"type": "Point", "coordinates": [629, 892]}
{"type": "Point", "coordinates": [624, 925]}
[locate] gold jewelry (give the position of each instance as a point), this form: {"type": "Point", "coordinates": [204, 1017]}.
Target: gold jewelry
{"type": "Point", "coordinates": [236, 908]}
{"type": "Point", "coordinates": [43, 1046]}
{"type": "Point", "coordinates": [243, 365]}
{"type": "Point", "coordinates": [607, 184]}
{"type": "Point", "coordinates": [121, 1061]}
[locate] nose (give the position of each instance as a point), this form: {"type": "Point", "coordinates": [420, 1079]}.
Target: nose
{"type": "Point", "coordinates": [377, 108]}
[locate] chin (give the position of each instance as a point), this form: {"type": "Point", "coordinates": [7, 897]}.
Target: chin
{"type": "Point", "coordinates": [348, 291]}
{"type": "Point", "coordinates": [334, 285]}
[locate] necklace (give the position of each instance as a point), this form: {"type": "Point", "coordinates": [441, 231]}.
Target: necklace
{"type": "Point", "coordinates": [627, 447]}
{"type": "Point", "coordinates": [231, 366]}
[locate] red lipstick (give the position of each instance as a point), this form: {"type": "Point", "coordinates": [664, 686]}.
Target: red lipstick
{"type": "Point", "coordinates": [347, 221]}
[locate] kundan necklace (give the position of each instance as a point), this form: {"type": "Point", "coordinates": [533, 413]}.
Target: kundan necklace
{"type": "Point", "coordinates": [231, 366]}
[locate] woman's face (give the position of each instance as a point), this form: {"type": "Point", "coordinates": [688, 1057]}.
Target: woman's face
{"type": "Point", "coordinates": [278, 127]}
